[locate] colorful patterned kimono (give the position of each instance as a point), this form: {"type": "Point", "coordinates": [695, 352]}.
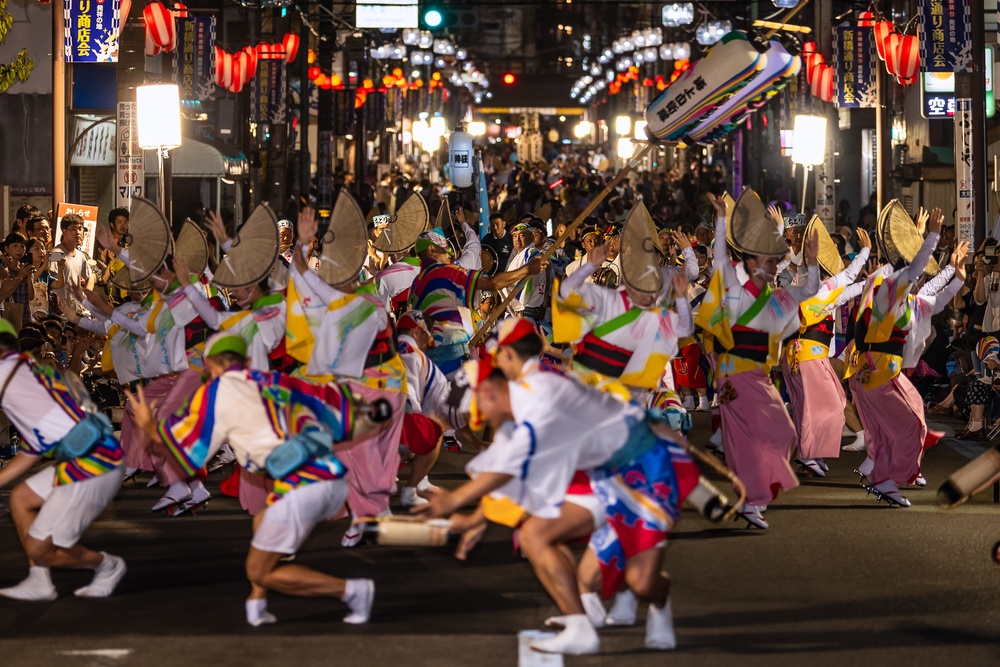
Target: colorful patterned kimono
{"type": "Point", "coordinates": [347, 337]}
{"type": "Point", "coordinates": [814, 389]}
{"type": "Point", "coordinates": [255, 412]}
{"type": "Point", "coordinates": [743, 327]}
{"type": "Point", "coordinates": [447, 294]}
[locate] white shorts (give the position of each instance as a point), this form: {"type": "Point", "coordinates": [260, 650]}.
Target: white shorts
{"type": "Point", "coordinates": [288, 522]}
{"type": "Point", "coordinates": [592, 504]}
{"type": "Point", "coordinates": [70, 508]}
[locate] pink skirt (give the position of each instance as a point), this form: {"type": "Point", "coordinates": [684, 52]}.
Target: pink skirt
{"type": "Point", "coordinates": [758, 436]}
{"type": "Point", "coordinates": [254, 489]}
{"type": "Point", "coordinates": [135, 442]}
{"type": "Point", "coordinates": [818, 403]}
{"type": "Point", "coordinates": [893, 417]}
{"type": "Point", "coordinates": [372, 464]}
{"type": "Point", "coordinates": [167, 469]}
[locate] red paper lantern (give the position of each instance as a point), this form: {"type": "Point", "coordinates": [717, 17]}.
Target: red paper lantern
{"type": "Point", "coordinates": [816, 76]}
{"type": "Point", "coordinates": [159, 25]}
{"type": "Point", "coordinates": [892, 53]}
{"type": "Point", "coordinates": [246, 72]}
{"type": "Point", "coordinates": [252, 63]}
{"type": "Point", "coordinates": [264, 50]}
{"type": "Point", "coordinates": [314, 73]}
{"type": "Point", "coordinates": [151, 48]}
{"type": "Point", "coordinates": [180, 10]}
{"type": "Point", "coordinates": [814, 61]}
{"type": "Point", "coordinates": [908, 82]}
{"type": "Point", "coordinates": [123, 12]}
{"type": "Point", "coordinates": [882, 31]}
{"type": "Point", "coordinates": [360, 97]}
{"type": "Point", "coordinates": [866, 20]}
{"type": "Point", "coordinates": [908, 57]}
{"type": "Point", "coordinates": [807, 48]}
{"type": "Point", "coordinates": [291, 43]}
{"type": "Point", "coordinates": [220, 61]}
{"type": "Point", "coordinates": [236, 77]}
{"type": "Point", "coordinates": [227, 70]}
{"type": "Point", "coordinates": [826, 84]}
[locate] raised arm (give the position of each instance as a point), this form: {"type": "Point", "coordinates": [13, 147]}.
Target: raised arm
{"type": "Point", "coordinates": [721, 259]}
{"type": "Point", "coordinates": [472, 254]}
{"type": "Point", "coordinates": [916, 268]}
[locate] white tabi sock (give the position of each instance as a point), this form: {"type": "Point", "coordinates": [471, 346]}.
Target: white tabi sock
{"type": "Point", "coordinates": [36, 587]}
{"type": "Point", "coordinates": [257, 613]}
{"type": "Point", "coordinates": [623, 609]}
{"type": "Point", "coordinates": [359, 596]}
{"type": "Point", "coordinates": [595, 609]}
{"type": "Point", "coordinates": [578, 638]}
{"type": "Point", "coordinates": [660, 628]}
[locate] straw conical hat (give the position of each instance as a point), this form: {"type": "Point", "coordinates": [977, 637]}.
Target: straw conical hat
{"type": "Point", "coordinates": [148, 242]}
{"type": "Point", "coordinates": [443, 220]}
{"type": "Point", "coordinates": [898, 236]}
{"type": "Point", "coordinates": [544, 213]}
{"type": "Point", "coordinates": [405, 226]}
{"type": "Point", "coordinates": [641, 253]}
{"type": "Point", "coordinates": [829, 257]}
{"type": "Point", "coordinates": [252, 254]}
{"type": "Point", "coordinates": [192, 246]}
{"type": "Point", "coordinates": [345, 243]}
{"type": "Point", "coordinates": [730, 205]}
{"type": "Point", "coordinates": [754, 232]}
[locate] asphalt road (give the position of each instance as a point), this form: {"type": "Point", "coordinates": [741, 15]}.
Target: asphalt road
{"type": "Point", "coordinates": [838, 579]}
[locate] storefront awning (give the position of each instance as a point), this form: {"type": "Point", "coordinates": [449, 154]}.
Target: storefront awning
{"type": "Point", "coordinates": [200, 159]}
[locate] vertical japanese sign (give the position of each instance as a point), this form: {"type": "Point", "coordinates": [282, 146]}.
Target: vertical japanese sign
{"type": "Point", "coordinates": [90, 31]}
{"type": "Point", "coordinates": [945, 31]}
{"type": "Point", "coordinates": [267, 97]}
{"type": "Point", "coordinates": [128, 157]}
{"type": "Point", "coordinates": [826, 207]}
{"type": "Point", "coordinates": [965, 229]}
{"type": "Point", "coordinates": [854, 67]}
{"type": "Point", "coordinates": [194, 58]}
{"type": "Point", "coordinates": [869, 164]}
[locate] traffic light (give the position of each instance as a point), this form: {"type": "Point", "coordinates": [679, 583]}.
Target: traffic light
{"type": "Point", "coordinates": [509, 79]}
{"type": "Point", "coordinates": [441, 17]}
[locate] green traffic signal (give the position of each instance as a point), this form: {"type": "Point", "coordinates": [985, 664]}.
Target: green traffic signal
{"type": "Point", "coordinates": [432, 18]}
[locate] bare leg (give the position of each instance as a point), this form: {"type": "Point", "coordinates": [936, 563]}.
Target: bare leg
{"type": "Point", "coordinates": [77, 557]}
{"type": "Point", "coordinates": [421, 464]}
{"type": "Point", "coordinates": [540, 540]}
{"type": "Point", "coordinates": [24, 507]}
{"type": "Point", "coordinates": [644, 577]}
{"type": "Point", "coordinates": [851, 417]}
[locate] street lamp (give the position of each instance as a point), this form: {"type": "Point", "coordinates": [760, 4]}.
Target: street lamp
{"type": "Point", "coordinates": [809, 147]}
{"type": "Point", "coordinates": [158, 117]}
{"type": "Point", "coordinates": [625, 149]}
{"type": "Point", "coordinates": [623, 125]}
{"type": "Point", "coordinates": [583, 129]}
{"type": "Point", "coordinates": [476, 128]}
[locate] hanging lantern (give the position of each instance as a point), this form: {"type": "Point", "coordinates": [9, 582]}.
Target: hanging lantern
{"type": "Point", "coordinates": [826, 83]}
{"type": "Point", "coordinates": [264, 50]}
{"type": "Point", "coordinates": [807, 48]}
{"type": "Point", "coordinates": [388, 80]}
{"type": "Point", "coordinates": [814, 61]}
{"type": "Point", "coordinates": [323, 81]}
{"type": "Point", "coordinates": [180, 10]}
{"type": "Point", "coordinates": [151, 48]}
{"type": "Point", "coordinates": [252, 62]}
{"type": "Point", "coordinates": [882, 31]}
{"type": "Point", "coordinates": [892, 53]}
{"type": "Point", "coordinates": [908, 57]}
{"type": "Point", "coordinates": [236, 78]}
{"type": "Point", "coordinates": [291, 43]}
{"type": "Point", "coordinates": [123, 12]}
{"type": "Point", "coordinates": [908, 81]}
{"type": "Point", "coordinates": [159, 24]}
{"type": "Point", "coordinates": [227, 70]}
{"type": "Point", "coordinates": [816, 76]}
{"type": "Point", "coordinates": [360, 97]}
{"type": "Point", "coordinates": [336, 81]}
{"type": "Point", "coordinates": [246, 72]}
{"type": "Point", "coordinates": [220, 61]}
{"type": "Point", "coordinates": [314, 73]}
{"type": "Point", "coordinates": [866, 20]}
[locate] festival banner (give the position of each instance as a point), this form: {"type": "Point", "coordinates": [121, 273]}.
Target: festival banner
{"type": "Point", "coordinates": [854, 67]}
{"type": "Point", "coordinates": [90, 31]}
{"type": "Point", "coordinates": [267, 96]}
{"type": "Point", "coordinates": [945, 32]}
{"type": "Point", "coordinates": [194, 58]}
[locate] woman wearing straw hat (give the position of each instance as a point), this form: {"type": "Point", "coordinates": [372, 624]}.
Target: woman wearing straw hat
{"type": "Point", "coordinates": [745, 322]}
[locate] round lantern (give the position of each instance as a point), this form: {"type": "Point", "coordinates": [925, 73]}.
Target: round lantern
{"type": "Point", "coordinates": [826, 84]}
{"type": "Point", "coordinates": [908, 57]}
{"type": "Point", "coordinates": [264, 50]}
{"type": "Point", "coordinates": [243, 58]}
{"type": "Point", "coordinates": [151, 48]}
{"type": "Point", "coordinates": [882, 31]}
{"type": "Point", "coordinates": [314, 73]}
{"type": "Point", "coordinates": [908, 81]}
{"type": "Point", "coordinates": [252, 60]}
{"type": "Point", "coordinates": [336, 81]}
{"type": "Point", "coordinates": [227, 70]}
{"type": "Point", "coordinates": [159, 24]}
{"type": "Point", "coordinates": [815, 86]}
{"type": "Point", "coordinates": [220, 61]}
{"type": "Point", "coordinates": [236, 78]}
{"type": "Point", "coordinates": [807, 48]}
{"type": "Point", "coordinates": [866, 20]}
{"type": "Point", "coordinates": [123, 12]}
{"type": "Point", "coordinates": [892, 53]}
{"type": "Point", "coordinates": [815, 61]}
{"type": "Point", "coordinates": [180, 10]}
{"type": "Point", "coordinates": [291, 43]}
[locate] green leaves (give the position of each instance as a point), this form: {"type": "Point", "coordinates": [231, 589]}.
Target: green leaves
{"type": "Point", "coordinates": [20, 69]}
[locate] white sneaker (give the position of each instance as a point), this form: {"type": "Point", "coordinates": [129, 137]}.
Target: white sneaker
{"type": "Point", "coordinates": [578, 638]}
{"type": "Point", "coordinates": [37, 587]}
{"type": "Point", "coordinates": [623, 609]}
{"type": "Point", "coordinates": [106, 577]}
{"type": "Point", "coordinates": [594, 609]}
{"type": "Point", "coordinates": [858, 445]}
{"type": "Point", "coordinates": [660, 628]}
{"type": "Point", "coordinates": [408, 497]}
{"type": "Point", "coordinates": [688, 403]}
{"type": "Point", "coordinates": [359, 597]}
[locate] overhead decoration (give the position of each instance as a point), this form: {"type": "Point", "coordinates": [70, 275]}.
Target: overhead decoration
{"type": "Point", "coordinates": [194, 58]}
{"type": "Point", "coordinates": [726, 68]}
{"type": "Point", "coordinates": [159, 25]}
{"type": "Point", "coordinates": [291, 45]}
{"type": "Point", "coordinates": [91, 31]}
{"type": "Point", "coordinates": [854, 66]}
{"type": "Point", "coordinates": [780, 66]}
{"type": "Point", "coordinates": [945, 35]}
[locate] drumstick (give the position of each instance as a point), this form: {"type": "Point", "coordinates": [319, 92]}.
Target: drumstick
{"type": "Point", "coordinates": [488, 323]}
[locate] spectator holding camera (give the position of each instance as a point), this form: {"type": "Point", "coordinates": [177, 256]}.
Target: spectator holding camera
{"type": "Point", "coordinates": [987, 290]}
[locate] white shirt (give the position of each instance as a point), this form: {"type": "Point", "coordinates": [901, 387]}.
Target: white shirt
{"type": "Point", "coordinates": [263, 328]}
{"type": "Point", "coordinates": [533, 293]}
{"type": "Point", "coordinates": [77, 268]}
{"type": "Point", "coordinates": [31, 407]}
{"type": "Point", "coordinates": [165, 324]}
{"type": "Point", "coordinates": [427, 389]}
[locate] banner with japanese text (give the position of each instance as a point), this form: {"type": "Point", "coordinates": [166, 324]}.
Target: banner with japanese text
{"type": "Point", "coordinates": [90, 31]}
{"type": "Point", "coordinates": [267, 96]}
{"type": "Point", "coordinates": [854, 67]}
{"type": "Point", "coordinates": [945, 32]}
{"type": "Point", "coordinates": [194, 58]}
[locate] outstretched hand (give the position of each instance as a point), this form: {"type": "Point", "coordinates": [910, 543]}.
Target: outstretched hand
{"type": "Point", "coordinates": [718, 203]}
{"type": "Point", "coordinates": [308, 224]}
{"type": "Point", "coordinates": [812, 249]}
{"type": "Point", "coordinates": [107, 240]}
{"type": "Point", "coordinates": [864, 240]}
{"type": "Point", "coordinates": [217, 227]}
{"type": "Point", "coordinates": [598, 254]}
{"type": "Point", "coordinates": [958, 259]}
